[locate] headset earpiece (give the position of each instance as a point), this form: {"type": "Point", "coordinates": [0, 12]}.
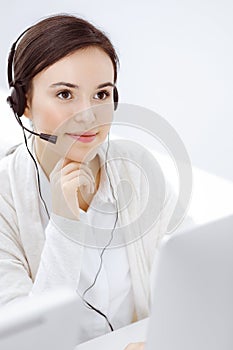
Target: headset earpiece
{"type": "Point", "coordinates": [17, 100]}
{"type": "Point", "coordinates": [115, 97]}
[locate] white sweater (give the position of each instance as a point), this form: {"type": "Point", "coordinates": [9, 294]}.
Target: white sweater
{"type": "Point", "coordinates": [34, 258]}
{"type": "Point", "coordinates": [112, 291]}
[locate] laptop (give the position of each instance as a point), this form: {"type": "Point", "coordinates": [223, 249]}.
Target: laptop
{"type": "Point", "coordinates": [192, 283]}
{"type": "Point", "coordinates": [192, 292]}
{"type": "Point", "coordinates": [48, 321]}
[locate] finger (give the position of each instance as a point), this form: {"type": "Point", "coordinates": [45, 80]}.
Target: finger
{"type": "Point", "coordinates": [78, 179]}
{"type": "Point", "coordinates": [68, 161]}
{"type": "Point", "coordinates": [78, 173]}
{"type": "Point", "coordinates": [65, 163]}
{"type": "Point", "coordinates": [71, 200]}
{"type": "Point", "coordinates": [85, 185]}
{"type": "Point", "coordinates": [68, 168]}
{"type": "Point", "coordinates": [84, 176]}
{"type": "Point", "coordinates": [71, 197]}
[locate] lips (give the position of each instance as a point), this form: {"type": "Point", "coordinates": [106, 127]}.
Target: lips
{"type": "Point", "coordinates": [85, 137]}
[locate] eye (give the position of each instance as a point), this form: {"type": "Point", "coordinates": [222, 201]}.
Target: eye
{"type": "Point", "coordinates": [64, 95]}
{"type": "Point", "coordinates": [102, 95]}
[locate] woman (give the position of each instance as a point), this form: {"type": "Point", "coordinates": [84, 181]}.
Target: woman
{"type": "Point", "coordinates": [62, 204]}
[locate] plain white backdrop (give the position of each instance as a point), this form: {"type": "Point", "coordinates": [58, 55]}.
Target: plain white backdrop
{"type": "Point", "coordinates": [176, 59]}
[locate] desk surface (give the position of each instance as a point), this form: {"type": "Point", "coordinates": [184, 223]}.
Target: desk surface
{"type": "Point", "coordinates": [119, 339]}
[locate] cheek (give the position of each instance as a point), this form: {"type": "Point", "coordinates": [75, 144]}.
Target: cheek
{"type": "Point", "coordinates": [47, 117]}
{"type": "Point", "coordinates": [105, 131]}
{"type": "Point", "coordinates": [104, 117]}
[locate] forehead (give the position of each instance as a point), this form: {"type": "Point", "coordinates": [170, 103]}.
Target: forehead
{"type": "Point", "coordinates": [84, 66]}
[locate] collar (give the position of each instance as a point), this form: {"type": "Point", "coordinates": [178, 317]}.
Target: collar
{"type": "Point", "coordinates": [104, 192]}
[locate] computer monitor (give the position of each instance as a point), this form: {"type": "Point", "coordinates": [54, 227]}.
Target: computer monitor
{"type": "Point", "coordinates": [47, 321]}
{"type": "Point", "coordinates": [192, 294]}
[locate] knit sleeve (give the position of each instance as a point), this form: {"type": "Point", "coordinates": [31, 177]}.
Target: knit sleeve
{"type": "Point", "coordinates": [60, 262]}
{"type": "Point", "coordinates": [15, 280]}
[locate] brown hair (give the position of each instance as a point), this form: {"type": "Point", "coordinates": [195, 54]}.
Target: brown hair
{"type": "Point", "coordinates": [54, 38]}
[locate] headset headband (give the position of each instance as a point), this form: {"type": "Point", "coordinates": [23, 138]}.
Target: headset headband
{"type": "Point", "coordinates": [17, 99]}
{"type": "Point", "coordinates": [11, 59]}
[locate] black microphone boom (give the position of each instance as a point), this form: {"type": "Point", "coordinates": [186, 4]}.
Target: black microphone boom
{"type": "Point", "coordinates": [49, 138]}
{"type": "Point", "coordinates": [46, 137]}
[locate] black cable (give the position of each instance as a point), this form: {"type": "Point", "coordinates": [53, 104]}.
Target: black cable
{"type": "Point", "coordinates": [35, 163]}
{"type": "Point", "coordinates": [100, 313]}
{"type": "Point", "coordinates": [111, 238]}
{"type": "Point", "coordinates": [89, 305]}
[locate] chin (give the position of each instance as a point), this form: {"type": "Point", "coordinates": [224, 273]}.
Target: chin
{"type": "Point", "coordinates": [76, 155]}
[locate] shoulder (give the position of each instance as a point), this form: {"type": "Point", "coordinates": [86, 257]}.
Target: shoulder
{"type": "Point", "coordinates": [9, 165]}
{"type": "Point", "coordinates": [134, 154]}
{"type": "Point", "coordinates": [4, 167]}
{"type": "Point", "coordinates": [150, 167]}
{"type": "Point", "coordinates": [12, 154]}
{"type": "Point", "coordinates": [128, 150]}
{"type": "Point", "coordinates": [135, 166]}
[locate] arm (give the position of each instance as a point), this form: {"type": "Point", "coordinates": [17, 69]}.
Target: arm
{"type": "Point", "coordinates": [61, 257]}
{"type": "Point", "coordinates": [57, 268]}
{"type": "Point", "coordinates": [15, 279]}
{"type": "Point", "coordinates": [59, 253]}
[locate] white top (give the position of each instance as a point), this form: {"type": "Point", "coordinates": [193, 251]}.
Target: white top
{"type": "Point", "coordinates": [36, 257]}
{"type": "Point", "coordinates": [112, 292]}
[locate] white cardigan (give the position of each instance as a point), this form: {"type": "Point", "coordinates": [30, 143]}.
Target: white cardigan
{"type": "Point", "coordinates": [34, 258]}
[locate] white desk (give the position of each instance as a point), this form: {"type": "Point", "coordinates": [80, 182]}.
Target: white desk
{"type": "Point", "coordinates": [119, 339]}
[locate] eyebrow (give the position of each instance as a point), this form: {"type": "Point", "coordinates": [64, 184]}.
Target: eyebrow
{"type": "Point", "coordinates": [70, 85]}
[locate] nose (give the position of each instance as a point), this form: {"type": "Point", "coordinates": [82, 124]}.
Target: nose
{"type": "Point", "coordinates": [86, 115]}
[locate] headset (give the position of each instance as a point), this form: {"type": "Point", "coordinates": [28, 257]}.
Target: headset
{"type": "Point", "coordinates": [17, 99]}
{"type": "Point", "coordinates": [17, 102]}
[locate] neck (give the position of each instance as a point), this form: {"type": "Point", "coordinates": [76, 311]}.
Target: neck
{"type": "Point", "coordinates": [46, 157]}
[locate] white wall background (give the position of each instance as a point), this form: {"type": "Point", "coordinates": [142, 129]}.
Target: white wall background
{"type": "Point", "coordinates": [176, 59]}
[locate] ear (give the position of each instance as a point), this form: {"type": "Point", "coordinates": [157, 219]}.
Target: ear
{"type": "Point", "coordinates": [27, 111]}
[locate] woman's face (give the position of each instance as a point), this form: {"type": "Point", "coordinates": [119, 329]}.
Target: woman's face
{"type": "Point", "coordinates": [73, 99]}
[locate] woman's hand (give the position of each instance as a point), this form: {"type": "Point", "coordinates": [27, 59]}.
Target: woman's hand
{"type": "Point", "coordinates": [67, 180]}
{"type": "Point", "coordinates": [135, 346]}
